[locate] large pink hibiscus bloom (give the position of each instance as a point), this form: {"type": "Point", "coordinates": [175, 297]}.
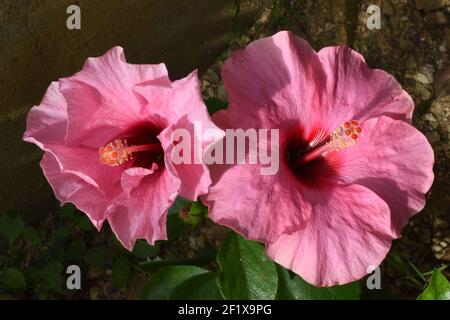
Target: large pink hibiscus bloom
{"type": "Point", "coordinates": [352, 168]}
{"type": "Point", "coordinates": [107, 136]}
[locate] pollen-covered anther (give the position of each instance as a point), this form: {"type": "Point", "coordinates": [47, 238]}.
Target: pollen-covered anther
{"type": "Point", "coordinates": [341, 138]}
{"type": "Point", "coordinates": [344, 135]}
{"type": "Point", "coordinates": [115, 153]}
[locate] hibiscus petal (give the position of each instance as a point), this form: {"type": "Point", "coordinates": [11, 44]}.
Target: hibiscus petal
{"type": "Point", "coordinates": [354, 91]}
{"type": "Point", "coordinates": [103, 93]}
{"type": "Point", "coordinates": [394, 160]}
{"type": "Point", "coordinates": [46, 123]}
{"type": "Point", "coordinates": [115, 78]}
{"type": "Point", "coordinates": [186, 111]}
{"type": "Point", "coordinates": [156, 95]}
{"type": "Point", "coordinates": [281, 78]}
{"type": "Point", "coordinates": [76, 173]}
{"type": "Point", "coordinates": [186, 99]}
{"type": "Point", "coordinates": [281, 74]}
{"type": "Point", "coordinates": [186, 95]}
{"type": "Point", "coordinates": [86, 111]}
{"type": "Point", "coordinates": [142, 214]}
{"type": "Point", "coordinates": [260, 207]}
{"type": "Point", "coordinates": [347, 234]}
{"type": "Point", "coordinates": [195, 176]}
{"type": "Point", "coordinates": [85, 164]}
{"type": "Point", "coordinates": [69, 187]}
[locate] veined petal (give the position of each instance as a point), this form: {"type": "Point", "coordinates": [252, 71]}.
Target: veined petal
{"type": "Point", "coordinates": [46, 123]}
{"type": "Point", "coordinates": [260, 207]}
{"type": "Point", "coordinates": [348, 233]}
{"type": "Point", "coordinates": [273, 80]}
{"type": "Point", "coordinates": [103, 93]}
{"type": "Point", "coordinates": [395, 160]}
{"type": "Point", "coordinates": [354, 91]}
{"type": "Point", "coordinates": [142, 213]}
{"type": "Point", "coordinates": [69, 187]}
{"type": "Point", "coordinates": [188, 112]}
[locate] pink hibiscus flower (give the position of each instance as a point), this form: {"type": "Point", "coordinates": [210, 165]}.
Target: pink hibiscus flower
{"type": "Point", "coordinates": [106, 132]}
{"type": "Point", "coordinates": [352, 169]}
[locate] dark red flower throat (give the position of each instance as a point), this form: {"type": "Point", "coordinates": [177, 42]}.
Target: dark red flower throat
{"type": "Point", "coordinates": [313, 158]}
{"type": "Point", "coordinates": [140, 144]}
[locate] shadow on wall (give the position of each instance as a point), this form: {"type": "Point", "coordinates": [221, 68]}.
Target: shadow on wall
{"type": "Point", "coordinates": [36, 48]}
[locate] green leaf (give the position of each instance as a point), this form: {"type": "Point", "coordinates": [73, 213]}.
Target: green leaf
{"type": "Point", "coordinates": [292, 287]}
{"type": "Point", "coordinates": [32, 235]}
{"type": "Point", "coordinates": [113, 243]}
{"type": "Point", "coordinates": [142, 250]}
{"type": "Point", "coordinates": [175, 225]}
{"type": "Point", "coordinates": [98, 256]}
{"type": "Point", "coordinates": [12, 279]}
{"type": "Point", "coordinates": [162, 283]}
{"type": "Point", "coordinates": [236, 9]}
{"type": "Point", "coordinates": [57, 253]}
{"type": "Point", "coordinates": [43, 257]}
{"type": "Point", "coordinates": [68, 212]}
{"type": "Point", "coordinates": [198, 209]}
{"type": "Point", "coordinates": [193, 213]}
{"type": "Point", "coordinates": [199, 287]}
{"type": "Point", "coordinates": [245, 271]}
{"type": "Point", "coordinates": [179, 203]}
{"type": "Point", "coordinates": [214, 105]}
{"type": "Point", "coordinates": [396, 261]}
{"type": "Point", "coordinates": [205, 256]}
{"type": "Point", "coordinates": [60, 236]}
{"type": "Point", "coordinates": [76, 249]}
{"type": "Point", "coordinates": [85, 224]}
{"type": "Point", "coordinates": [158, 264]}
{"type": "Point", "coordinates": [11, 227]}
{"type": "Point", "coordinates": [51, 276]}
{"type": "Point", "coordinates": [196, 213]}
{"type": "Point", "coordinates": [120, 272]}
{"type": "Point", "coordinates": [438, 289]}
